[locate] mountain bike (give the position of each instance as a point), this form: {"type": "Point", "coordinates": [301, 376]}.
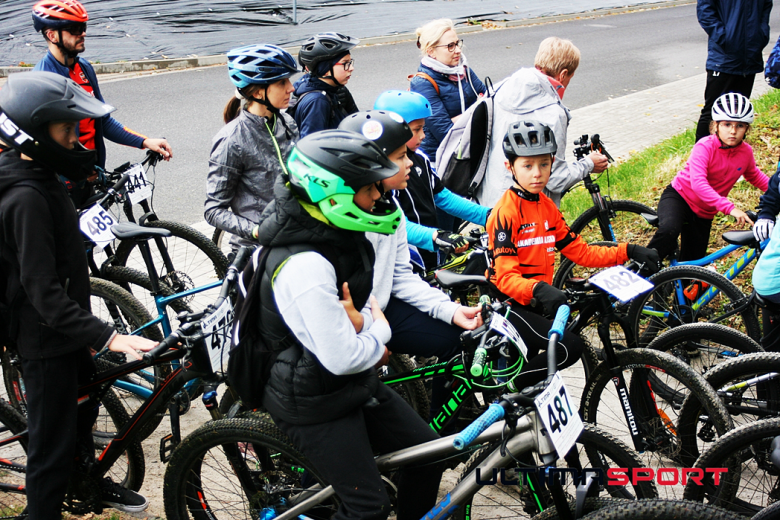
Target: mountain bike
{"type": "Point", "coordinates": [636, 392]}
{"type": "Point", "coordinates": [270, 479]}
{"type": "Point", "coordinates": [686, 292]}
{"type": "Point", "coordinates": [199, 345]}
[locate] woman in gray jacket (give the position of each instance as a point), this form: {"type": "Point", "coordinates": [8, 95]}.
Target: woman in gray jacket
{"type": "Point", "coordinates": [251, 150]}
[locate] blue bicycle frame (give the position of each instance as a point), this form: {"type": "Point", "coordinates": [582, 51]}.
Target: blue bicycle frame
{"type": "Point", "coordinates": [162, 318]}
{"type": "Point", "coordinates": [733, 271]}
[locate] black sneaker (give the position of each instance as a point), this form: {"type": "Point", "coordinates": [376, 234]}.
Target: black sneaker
{"type": "Point", "coordinates": [121, 498]}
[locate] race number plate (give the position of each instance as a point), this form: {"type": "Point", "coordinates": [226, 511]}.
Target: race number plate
{"type": "Point", "coordinates": [216, 327]}
{"type": "Point", "coordinates": [621, 283]}
{"type": "Point", "coordinates": [501, 325]}
{"type": "Point", "coordinates": [138, 186]}
{"type": "Point", "coordinates": [96, 224]}
{"type": "Point", "coordinates": [559, 416]}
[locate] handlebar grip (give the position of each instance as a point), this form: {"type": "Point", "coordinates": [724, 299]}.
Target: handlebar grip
{"type": "Point", "coordinates": [478, 365]}
{"type": "Point", "coordinates": [495, 412]}
{"type": "Point", "coordinates": [467, 337]}
{"type": "Point", "coordinates": [121, 182]}
{"type": "Point", "coordinates": [559, 325]}
{"type": "Point", "coordinates": [162, 347]}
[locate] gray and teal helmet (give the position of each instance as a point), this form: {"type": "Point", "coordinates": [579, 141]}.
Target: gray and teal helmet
{"type": "Point", "coordinates": [327, 168]}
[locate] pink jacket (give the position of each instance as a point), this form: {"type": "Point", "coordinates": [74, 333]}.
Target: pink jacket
{"type": "Point", "coordinates": [712, 171]}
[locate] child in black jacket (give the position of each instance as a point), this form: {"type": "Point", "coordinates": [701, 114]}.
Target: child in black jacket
{"type": "Point", "coordinates": [45, 281]}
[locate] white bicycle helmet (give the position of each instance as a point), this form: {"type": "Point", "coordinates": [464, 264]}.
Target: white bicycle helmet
{"type": "Point", "coordinates": [733, 107]}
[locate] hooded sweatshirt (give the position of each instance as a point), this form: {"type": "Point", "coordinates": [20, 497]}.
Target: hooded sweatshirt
{"type": "Point", "coordinates": [529, 94]}
{"type": "Point", "coordinates": [42, 254]}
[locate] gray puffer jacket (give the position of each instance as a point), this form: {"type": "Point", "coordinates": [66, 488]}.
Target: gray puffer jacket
{"type": "Point", "coordinates": [243, 166]}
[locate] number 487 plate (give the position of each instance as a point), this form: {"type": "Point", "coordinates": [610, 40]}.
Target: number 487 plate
{"type": "Point", "coordinates": [559, 416]}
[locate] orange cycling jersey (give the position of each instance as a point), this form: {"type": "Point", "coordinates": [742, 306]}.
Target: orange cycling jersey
{"type": "Point", "coordinates": [524, 235]}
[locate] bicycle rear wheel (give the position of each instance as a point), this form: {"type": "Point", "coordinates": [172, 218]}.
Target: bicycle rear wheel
{"type": "Point", "coordinates": [238, 469]}
{"type": "Point", "coordinates": [13, 463]}
{"type": "Point", "coordinates": [660, 509]}
{"type": "Point", "coordinates": [594, 449]}
{"type": "Point", "coordinates": [627, 225]}
{"type": "Point", "coordinates": [679, 297]}
{"type": "Point", "coordinates": [196, 260]}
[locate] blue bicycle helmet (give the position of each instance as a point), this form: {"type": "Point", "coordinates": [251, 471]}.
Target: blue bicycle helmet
{"type": "Point", "coordinates": [409, 105]}
{"type": "Point", "coordinates": [261, 64]}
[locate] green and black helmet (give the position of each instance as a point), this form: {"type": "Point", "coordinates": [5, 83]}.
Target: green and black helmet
{"type": "Point", "coordinates": [327, 168]}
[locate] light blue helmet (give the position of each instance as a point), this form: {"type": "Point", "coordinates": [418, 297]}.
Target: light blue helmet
{"type": "Point", "coordinates": [261, 64]}
{"type": "Point", "coordinates": [409, 105]}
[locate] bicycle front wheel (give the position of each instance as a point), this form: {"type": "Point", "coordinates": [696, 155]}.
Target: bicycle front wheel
{"type": "Point", "coordinates": [690, 294]}
{"type": "Point", "coordinates": [627, 225]}
{"type": "Point", "coordinates": [653, 416]}
{"type": "Point", "coordinates": [594, 449]}
{"type": "Point", "coordinates": [238, 469]}
{"type": "Point", "coordinates": [751, 480]}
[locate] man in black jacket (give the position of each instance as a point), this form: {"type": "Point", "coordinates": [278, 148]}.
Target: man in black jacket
{"type": "Point", "coordinates": [738, 31]}
{"type": "Point", "coordinates": [45, 281]}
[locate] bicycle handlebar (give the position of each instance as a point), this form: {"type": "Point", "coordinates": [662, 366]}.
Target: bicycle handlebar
{"type": "Point", "coordinates": [559, 324]}
{"type": "Point", "coordinates": [162, 347]}
{"type": "Point", "coordinates": [494, 413]}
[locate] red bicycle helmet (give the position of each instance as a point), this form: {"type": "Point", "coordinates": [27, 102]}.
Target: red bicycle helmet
{"type": "Point", "coordinates": [56, 14]}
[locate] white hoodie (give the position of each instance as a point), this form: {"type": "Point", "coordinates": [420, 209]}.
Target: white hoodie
{"type": "Point", "coordinates": [528, 94]}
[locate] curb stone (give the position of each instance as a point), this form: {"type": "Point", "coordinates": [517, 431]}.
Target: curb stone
{"type": "Point", "coordinates": [193, 61]}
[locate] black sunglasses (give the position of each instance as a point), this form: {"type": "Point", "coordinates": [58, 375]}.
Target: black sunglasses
{"type": "Point", "coordinates": [77, 29]}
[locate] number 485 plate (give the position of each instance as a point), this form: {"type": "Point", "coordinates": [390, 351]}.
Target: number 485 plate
{"type": "Point", "coordinates": [559, 416]}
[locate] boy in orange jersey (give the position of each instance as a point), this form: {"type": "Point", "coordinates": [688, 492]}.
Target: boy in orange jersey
{"type": "Point", "coordinates": [525, 229]}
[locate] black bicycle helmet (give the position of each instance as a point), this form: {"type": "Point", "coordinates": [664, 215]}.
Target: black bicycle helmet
{"type": "Point", "coordinates": [324, 46]}
{"type": "Point", "coordinates": [32, 100]}
{"type": "Point", "coordinates": [387, 129]}
{"type": "Point", "coordinates": [529, 138]}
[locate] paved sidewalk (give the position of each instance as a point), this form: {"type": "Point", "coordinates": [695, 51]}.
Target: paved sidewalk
{"type": "Point", "coordinates": [634, 122]}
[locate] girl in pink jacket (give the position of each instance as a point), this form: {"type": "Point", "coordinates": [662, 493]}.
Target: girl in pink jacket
{"type": "Point", "coordinates": [699, 191]}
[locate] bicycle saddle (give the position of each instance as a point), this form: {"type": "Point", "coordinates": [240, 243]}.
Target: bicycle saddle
{"type": "Point", "coordinates": [131, 230]}
{"type": "Point", "coordinates": [450, 280]}
{"type": "Point", "coordinates": [651, 219]}
{"type": "Point", "coordinates": [740, 238]}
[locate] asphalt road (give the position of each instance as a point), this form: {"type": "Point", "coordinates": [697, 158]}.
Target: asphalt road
{"type": "Point", "coordinates": [621, 54]}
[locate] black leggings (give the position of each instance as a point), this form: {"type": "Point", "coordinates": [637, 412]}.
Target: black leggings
{"type": "Point", "coordinates": [533, 329]}
{"type": "Point", "coordinates": [677, 219]}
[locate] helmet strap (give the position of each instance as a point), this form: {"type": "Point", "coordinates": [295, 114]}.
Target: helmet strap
{"type": "Point", "coordinates": [263, 101]}
{"type": "Point", "coordinates": [524, 193]}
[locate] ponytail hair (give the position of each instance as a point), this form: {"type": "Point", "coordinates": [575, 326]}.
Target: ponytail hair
{"type": "Point", "coordinates": [233, 106]}
{"type": "Point", "coordinates": [231, 110]}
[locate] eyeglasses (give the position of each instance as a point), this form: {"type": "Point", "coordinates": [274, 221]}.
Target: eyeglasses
{"type": "Point", "coordinates": [77, 29]}
{"type": "Point", "coordinates": [348, 65]}
{"type": "Point", "coordinates": [451, 46]}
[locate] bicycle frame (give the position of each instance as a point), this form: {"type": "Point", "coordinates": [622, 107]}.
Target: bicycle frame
{"type": "Point", "coordinates": [735, 270]}
{"type": "Point", "coordinates": [524, 439]}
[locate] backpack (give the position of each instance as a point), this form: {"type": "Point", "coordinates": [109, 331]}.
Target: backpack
{"type": "Point", "coordinates": [772, 70]}
{"type": "Point", "coordinates": [462, 156]}
{"type": "Point", "coordinates": [423, 75]}
{"type": "Point", "coordinates": [335, 104]}
{"type": "Point", "coordinates": [9, 323]}
{"type": "Point", "coordinates": [251, 357]}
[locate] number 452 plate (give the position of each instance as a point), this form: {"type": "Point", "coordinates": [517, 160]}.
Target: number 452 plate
{"type": "Point", "coordinates": [621, 283]}
{"type": "Point", "coordinates": [559, 416]}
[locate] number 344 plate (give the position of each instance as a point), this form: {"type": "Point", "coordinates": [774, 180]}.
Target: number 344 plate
{"type": "Point", "coordinates": [559, 416]}
{"type": "Point", "coordinates": [621, 283]}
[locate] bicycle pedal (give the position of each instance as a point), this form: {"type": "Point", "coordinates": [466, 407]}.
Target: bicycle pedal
{"type": "Point", "coordinates": [167, 445]}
